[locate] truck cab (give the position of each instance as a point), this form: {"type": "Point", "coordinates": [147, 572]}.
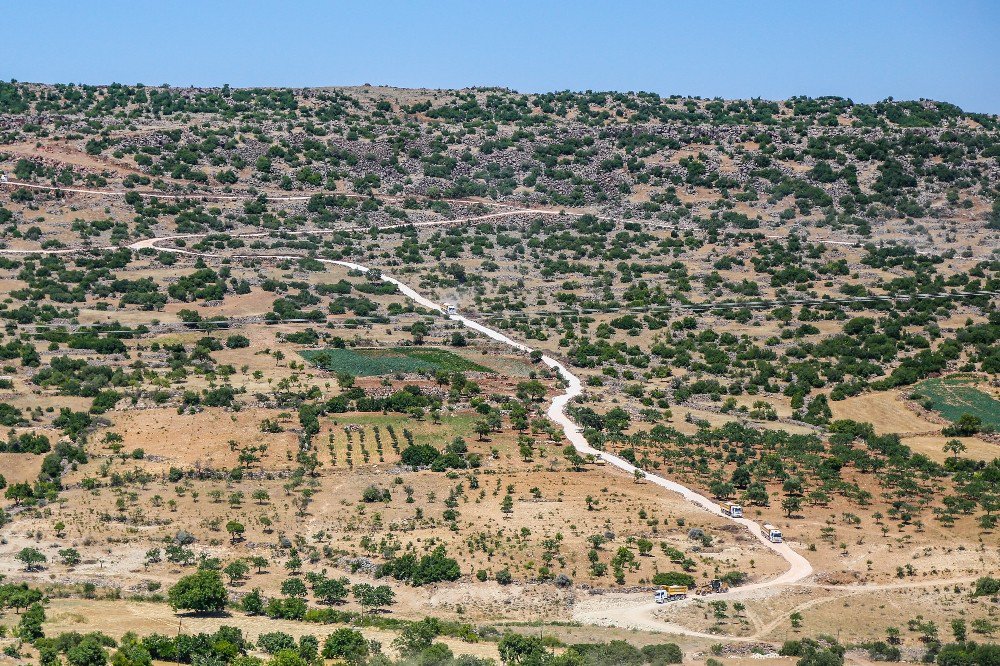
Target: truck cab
{"type": "Point", "coordinates": [733, 510]}
{"type": "Point", "coordinates": [449, 308]}
{"type": "Point", "coordinates": [660, 596]}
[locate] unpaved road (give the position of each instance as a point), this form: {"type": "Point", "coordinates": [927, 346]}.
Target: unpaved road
{"type": "Point", "coordinates": [513, 208]}
{"type": "Point", "coordinates": [798, 569]}
{"type": "Point", "coordinates": [618, 610]}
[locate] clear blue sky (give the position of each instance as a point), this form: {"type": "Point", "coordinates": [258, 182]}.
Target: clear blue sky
{"type": "Point", "coordinates": [866, 50]}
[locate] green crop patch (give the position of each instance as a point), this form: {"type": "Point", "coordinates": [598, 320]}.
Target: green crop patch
{"type": "Point", "coordinates": [375, 362]}
{"type": "Point", "coordinates": [956, 395]}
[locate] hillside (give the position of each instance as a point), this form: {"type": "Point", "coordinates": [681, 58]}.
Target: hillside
{"type": "Point", "coordinates": [314, 342]}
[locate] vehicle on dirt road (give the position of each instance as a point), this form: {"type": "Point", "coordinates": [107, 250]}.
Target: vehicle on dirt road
{"type": "Point", "coordinates": [773, 533]}
{"type": "Point", "coordinates": [670, 593]}
{"type": "Point", "coordinates": [714, 587]}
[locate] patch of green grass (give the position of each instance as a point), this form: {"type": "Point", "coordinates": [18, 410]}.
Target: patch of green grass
{"type": "Point", "coordinates": [956, 395]}
{"type": "Point", "coordinates": [375, 362]}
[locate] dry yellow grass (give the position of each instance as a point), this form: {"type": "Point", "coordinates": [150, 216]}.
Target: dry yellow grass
{"type": "Point", "coordinates": [885, 410]}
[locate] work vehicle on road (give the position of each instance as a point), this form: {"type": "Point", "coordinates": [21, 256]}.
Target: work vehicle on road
{"type": "Point", "coordinates": [732, 510]}
{"type": "Point", "coordinates": [670, 593]}
{"type": "Point", "coordinates": [773, 533]}
{"type": "Point", "coordinates": [714, 587]}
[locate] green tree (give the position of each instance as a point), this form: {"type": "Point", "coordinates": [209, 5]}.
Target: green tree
{"type": "Point", "coordinates": [958, 629]}
{"type": "Point", "coordinates": [48, 653]}
{"type": "Point", "coordinates": [293, 587]}
{"type": "Point", "coordinates": [31, 557]}
{"type": "Point", "coordinates": [664, 653]}
{"type": "Point", "coordinates": [236, 570]}
{"type": "Point", "coordinates": [417, 636]}
{"type": "Point", "coordinates": [791, 504]}
{"type": "Point", "coordinates": [253, 602]}
{"type": "Point", "coordinates": [309, 648]}
{"type": "Point", "coordinates": [202, 592]}
{"type": "Point", "coordinates": [88, 652]}
{"type": "Point", "coordinates": [373, 597]}
{"type": "Point", "coordinates": [331, 590]}
{"type": "Point", "coordinates": [20, 596]}
{"type": "Point", "coordinates": [954, 447]}
{"type": "Point", "coordinates": [347, 644]}
{"type": "Point", "coordinates": [517, 649]}
{"type": "Point", "coordinates": [792, 486]}
{"type": "Point", "coordinates": [131, 652]}
{"type": "Point", "coordinates": [966, 426]}
{"type": "Point", "coordinates": [235, 529]}
{"type": "Point", "coordinates": [823, 657]}
{"type": "Point", "coordinates": [70, 556]}
{"type": "Point", "coordinates": [419, 331]}
{"type": "Point", "coordinates": [30, 626]}
{"type": "Point", "coordinates": [721, 490]}
{"type": "Point", "coordinates": [18, 492]}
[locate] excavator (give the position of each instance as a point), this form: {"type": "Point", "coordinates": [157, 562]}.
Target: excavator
{"type": "Point", "coordinates": [714, 587]}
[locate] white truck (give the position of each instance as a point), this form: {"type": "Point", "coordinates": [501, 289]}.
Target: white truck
{"type": "Point", "coordinates": [670, 593]}
{"type": "Point", "coordinates": [732, 510]}
{"type": "Point", "coordinates": [773, 533]}
{"type": "Point", "coordinates": [449, 308]}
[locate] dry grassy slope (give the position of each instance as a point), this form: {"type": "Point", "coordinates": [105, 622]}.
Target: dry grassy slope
{"type": "Point", "coordinates": [113, 551]}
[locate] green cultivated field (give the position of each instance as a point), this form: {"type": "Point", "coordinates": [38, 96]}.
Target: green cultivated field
{"type": "Point", "coordinates": [374, 362]}
{"type": "Point", "coordinates": [956, 395]}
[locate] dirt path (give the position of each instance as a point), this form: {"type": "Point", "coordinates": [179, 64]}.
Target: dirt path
{"type": "Point", "coordinates": [638, 616]}
{"type": "Point", "coordinates": [515, 208]}
{"type": "Point", "coordinates": [632, 611]}
{"type": "Point", "coordinates": [623, 609]}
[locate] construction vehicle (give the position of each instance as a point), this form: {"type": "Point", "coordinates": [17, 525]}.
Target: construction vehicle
{"type": "Point", "coordinates": [732, 510]}
{"type": "Point", "coordinates": [449, 308]}
{"type": "Point", "coordinates": [716, 586]}
{"type": "Point", "coordinates": [773, 533]}
{"type": "Point", "coordinates": [670, 593]}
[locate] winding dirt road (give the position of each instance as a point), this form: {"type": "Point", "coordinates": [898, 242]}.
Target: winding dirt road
{"type": "Point", "coordinates": [626, 612]}
{"type": "Point", "coordinates": [638, 616]}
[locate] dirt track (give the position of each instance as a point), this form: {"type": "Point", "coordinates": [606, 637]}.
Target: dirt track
{"type": "Point", "coordinates": [627, 611]}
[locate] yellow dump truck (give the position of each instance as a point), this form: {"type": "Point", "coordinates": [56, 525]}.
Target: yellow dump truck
{"type": "Point", "coordinates": [670, 593]}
